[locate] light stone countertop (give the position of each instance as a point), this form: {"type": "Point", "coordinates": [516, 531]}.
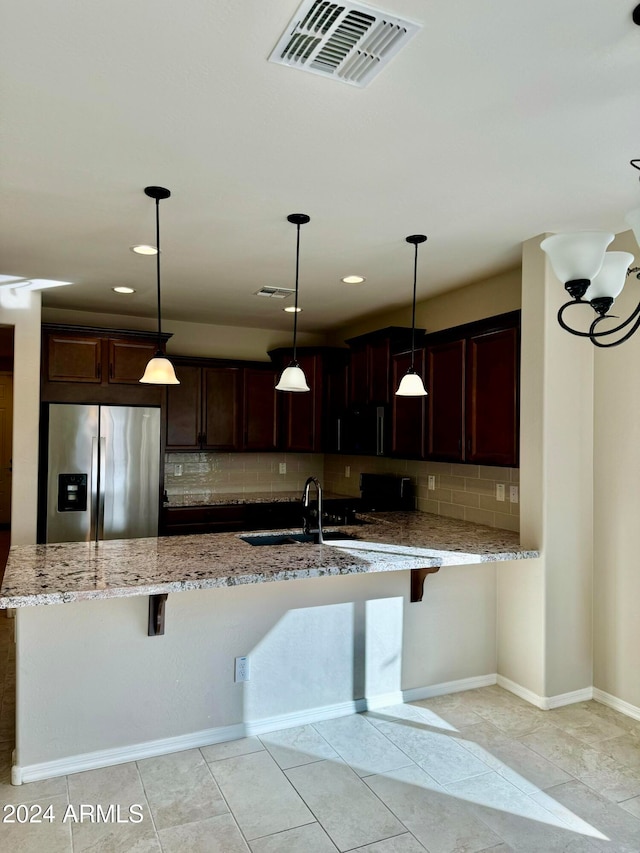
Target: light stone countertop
{"type": "Point", "coordinates": [61, 573]}
{"type": "Point", "coordinates": [231, 498]}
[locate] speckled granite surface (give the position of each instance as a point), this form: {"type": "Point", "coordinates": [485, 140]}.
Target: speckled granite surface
{"type": "Point", "coordinates": [56, 574]}
{"type": "Point", "coordinates": [232, 498]}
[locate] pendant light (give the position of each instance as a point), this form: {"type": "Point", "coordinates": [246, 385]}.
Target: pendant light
{"type": "Point", "coordinates": [293, 378]}
{"type": "Point", "coordinates": [159, 371]}
{"type": "Point", "coordinates": [411, 383]}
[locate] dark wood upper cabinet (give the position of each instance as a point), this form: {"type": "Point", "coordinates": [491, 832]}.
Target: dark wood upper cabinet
{"type": "Point", "coordinates": [370, 365]}
{"type": "Point", "coordinates": [473, 375]}
{"type": "Point", "coordinates": [492, 400]}
{"type": "Point", "coordinates": [86, 364]}
{"type": "Point", "coordinates": [445, 386]}
{"type": "Point", "coordinates": [221, 391]}
{"type": "Point", "coordinates": [203, 411]}
{"type": "Point", "coordinates": [128, 359]}
{"type": "Point", "coordinates": [73, 358]}
{"type": "Point", "coordinates": [407, 413]}
{"type": "Point", "coordinates": [259, 422]}
{"type": "Point", "coordinates": [183, 410]}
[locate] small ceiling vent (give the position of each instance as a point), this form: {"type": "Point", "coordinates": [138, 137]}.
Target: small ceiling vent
{"type": "Point", "coordinates": [275, 292]}
{"type": "Point", "coordinates": [349, 42]}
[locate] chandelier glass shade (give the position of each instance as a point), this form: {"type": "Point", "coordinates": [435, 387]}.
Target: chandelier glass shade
{"type": "Point", "coordinates": [594, 277]}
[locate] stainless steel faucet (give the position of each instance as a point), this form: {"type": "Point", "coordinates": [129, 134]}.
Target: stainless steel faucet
{"type": "Point", "coordinates": [305, 504]}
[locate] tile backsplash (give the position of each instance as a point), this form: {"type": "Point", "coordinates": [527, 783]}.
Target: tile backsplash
{"type": "Point", "coordinates": [239, 473]}
{"type": "Point", "coordinates": [461, 491]}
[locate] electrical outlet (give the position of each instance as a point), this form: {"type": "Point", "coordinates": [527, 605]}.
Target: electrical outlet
{"type": "Point", "coordinates": [347, 470]}
{"type": "Point", "coordinates": [242, 669]}
{"type": "Point", "coordinates": [431, 482]}
{"type": "Point", "coordinates": [499, 491]}
{"type": "Point", "coordinates": [283, 468]}
{"type": "Point", "coordinates": [513, 494]}
{"type": "Point", "coordinates": [177, 470]}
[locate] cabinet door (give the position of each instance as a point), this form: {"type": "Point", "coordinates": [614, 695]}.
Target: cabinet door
{"type": "Point", "coordinates": [183, 410]}
{"type": "Point", "coordinates": [128, 359]}
{"type": "Point", "coordinates": [74, 359]}
{"type": "Point", "coordinates": [302, 411]}
{"type": "Point", "coordinates": [492, 398]}
{"type": "Point", "coordinates": [445, 384]}
{"type": "Point", "coordinates": [221, 408]}
{"type": "Point", "coordinates": [358, 376]}
{"type": "Point", "coordinates": [379, 371]}
{"type": "Point", "coordinates": [259, 409]}
{"type": "Point", "coordinates": [336, 390]}
{"type": "Point", "coordinates": [407, 413]}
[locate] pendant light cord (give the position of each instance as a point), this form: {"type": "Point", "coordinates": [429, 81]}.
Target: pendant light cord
{"type": "Point", "coordinates": [158, 272]}
{"type": "Point", "coordinates": [413, 313]}
{"type": "Point", "coordinates": [295, 313]}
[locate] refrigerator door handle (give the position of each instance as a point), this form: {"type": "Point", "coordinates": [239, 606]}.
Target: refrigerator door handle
{"type": "Point", "coordinates": [101, 487]}
{"type": "Point", "coordinates": [95, 477]}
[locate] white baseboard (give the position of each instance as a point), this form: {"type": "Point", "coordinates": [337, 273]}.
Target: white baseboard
{"type": "Point", "coordinates": [545, 703]}
{"type": "Point", "coordinates": [206, 737]}
{"type": "Point", "coordinates": [448, 687]}
{"type": "Point", "coordinates": [617, 704]}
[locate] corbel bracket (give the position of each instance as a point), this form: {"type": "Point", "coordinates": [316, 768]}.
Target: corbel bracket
{"type": "Point", "coordinates": [417, 581]}
{"type": "Point", "coordinates": [157, 608]}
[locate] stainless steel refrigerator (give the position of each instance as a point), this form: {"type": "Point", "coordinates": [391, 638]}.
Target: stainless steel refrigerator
{"type": "Point", "coordinates": [102, 473]}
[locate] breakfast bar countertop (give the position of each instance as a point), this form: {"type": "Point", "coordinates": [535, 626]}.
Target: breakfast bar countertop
{"type": "Point", "coordinates": [395, 541]}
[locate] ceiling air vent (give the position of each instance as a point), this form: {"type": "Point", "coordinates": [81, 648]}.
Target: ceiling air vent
{"type": "Point", "coordinates": [349, 42]}
{"type": "Point", "coordinates": [275, 292]}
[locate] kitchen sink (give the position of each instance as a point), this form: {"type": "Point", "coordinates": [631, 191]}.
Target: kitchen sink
{"type": "Point", "coordinates": [294, 538]}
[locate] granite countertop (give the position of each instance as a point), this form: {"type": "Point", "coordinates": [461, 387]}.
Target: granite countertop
{"type": "Point", "coordinates": [61, 573]}
{"type": "Point", "coordinates": [232, 498]}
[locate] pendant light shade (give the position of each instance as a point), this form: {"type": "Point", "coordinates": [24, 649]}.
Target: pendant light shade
{"type": "Point", "coordinates": [159, 370]}
{"type": "Point", "coordinates": [293, 378]}
{"type": "Point", "coordinates": [411, 384]}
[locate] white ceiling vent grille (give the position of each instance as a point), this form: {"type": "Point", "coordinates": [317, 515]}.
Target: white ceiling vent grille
{"type": "Point", "coordinates": [275, 292]}
{"type": "Point", "coordinates": [346, 41]}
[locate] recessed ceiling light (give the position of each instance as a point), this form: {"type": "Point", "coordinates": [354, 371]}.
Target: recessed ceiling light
{"type": "Point", "coordinates": [144, 250]}
{"type": "Point", "coordinates": [123, 289]}
{"type": "Point", "coordinates": [353, 279]}
{"type": "Point", "coordinates": [291, 309]}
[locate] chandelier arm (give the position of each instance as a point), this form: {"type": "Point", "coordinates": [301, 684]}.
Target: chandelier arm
{"type": "Point", "coordinates": [569, 328]}
{"type": "Point", "coordinates": [591, 334]}
{"type": "Point", "coordinates": [595, 335]}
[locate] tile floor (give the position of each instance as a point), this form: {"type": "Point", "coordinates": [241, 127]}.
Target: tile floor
{"type": "Point", "coordinates": [474, 771]}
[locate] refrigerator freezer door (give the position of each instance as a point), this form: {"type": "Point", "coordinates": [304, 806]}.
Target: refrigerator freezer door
{"type": "Point", "coordinates": [130, 472]}
{"type": "Point", "coordinates": [72, 451]}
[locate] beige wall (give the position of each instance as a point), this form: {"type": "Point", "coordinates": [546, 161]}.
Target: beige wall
{"type": "Point", "coordinates": [194, 339]}
{"type": "Point", "coordinates": [22, 311]}
{"type": "Point", "coordinates": [556, 485]}
{"type": "Point", "coordinates": [313, 644]}
{"type": "Point", "coordinates": [495, 295]}
{"type": "Point", "coordinates": [616, 462]}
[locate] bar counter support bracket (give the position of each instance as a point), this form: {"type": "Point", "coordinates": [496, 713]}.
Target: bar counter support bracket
{"type": "Point", "coordinates": [157, 607]}
{"type": "Point", "coordinates": [418, 577]}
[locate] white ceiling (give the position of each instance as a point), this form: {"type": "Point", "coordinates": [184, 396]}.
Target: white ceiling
{"type": "Point", "coordinates": [498, 121]}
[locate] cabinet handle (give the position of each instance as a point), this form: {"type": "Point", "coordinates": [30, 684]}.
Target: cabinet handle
{"type": "Point", "coordinates": [339, 447]}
